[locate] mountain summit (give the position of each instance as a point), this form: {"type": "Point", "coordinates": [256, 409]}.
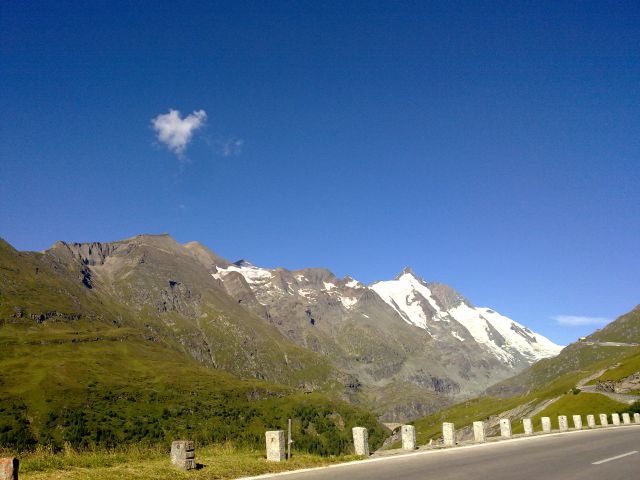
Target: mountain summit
{"type": "Point", "coordinates": [405, 333]}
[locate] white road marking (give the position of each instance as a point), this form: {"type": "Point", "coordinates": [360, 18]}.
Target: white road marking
{"type": "Point", "coordinates": [614, 458]}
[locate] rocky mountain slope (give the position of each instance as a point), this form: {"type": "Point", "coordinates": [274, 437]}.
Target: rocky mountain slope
{"type": "Point", "coordinates": [402, 348]}
{"type": "Point", "coordinates": [398, 337]}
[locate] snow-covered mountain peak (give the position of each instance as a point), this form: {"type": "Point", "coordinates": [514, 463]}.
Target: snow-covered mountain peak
{"type": "Point", "coordinates": [407, 272]}
{"type": "Point", "coordinates": [429, 305]}
{"type": "Point", "coordinates": [351, 282]}
{"type": "Point", "coordinates": [250, 272]}
{"type": "Point", "coordinates": [436, 308]}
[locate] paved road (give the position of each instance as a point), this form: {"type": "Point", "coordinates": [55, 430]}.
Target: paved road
{"type": "Point", "coordinates": [567, 456]}
{"type": "Point", "coordinates": [618, 397]}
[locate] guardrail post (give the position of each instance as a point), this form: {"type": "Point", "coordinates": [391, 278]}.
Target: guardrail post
{"type": "Point", "coordinates": [636, 417]}
{"type": "Point", "coordinates": [615, 419]}
{"type": "Point", "coordinates": [546, 424]}
{"type": "Point", "coordinates": [528, 426]}
{"type": "Point", "coordinates": [361, 441]}
{"type": "Point", "coordinates": [604, 421]}
{"type": "Point", "coordinates": [505, 428]}
{"type": "Point", "coordinates": [591, 421]}
{"type": "Point", "coordinates": [275, 445]}
{"type": "Point", "coordinates": [563, 425]}
{"type": "Point", "coordinates": [449, 434]}
{"type": "Point", "coordinates": [626, 419]}
{"type": "Point", "coordinates": [183, 454]}
{"type": "Point", "coordinates": [478, 432]}
{"type": "Point", "coordinates": [408, 437]}
{"type": "Point", "coordinates": [9, 468]}
{"type": "Point", "coordinates": [577, 422]}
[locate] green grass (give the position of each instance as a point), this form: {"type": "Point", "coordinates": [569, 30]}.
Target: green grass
{"type": "Point", "coordinates": [628, 366]}
{"type": "Point", "coordinates": [545, 380]}
{"type": "Point", "coordinates": [461, 414]}
{"type": "Point", "coordinates": [128, 390]}
{"type": "Point", "coordinates": [570, 404]}
{"type": "Point", "coordinates": [219, 462]}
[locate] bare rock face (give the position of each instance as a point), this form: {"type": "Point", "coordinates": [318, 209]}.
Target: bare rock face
{"type": "Point", "coordinates": [626, 385]}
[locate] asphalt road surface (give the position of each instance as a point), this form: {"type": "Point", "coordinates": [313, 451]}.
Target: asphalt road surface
{"type": "Point", "coordinates": [602, 454]}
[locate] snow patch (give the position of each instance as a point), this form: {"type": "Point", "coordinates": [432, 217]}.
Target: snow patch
{"type": "Point", "coordinates": [405, 295]}
{"type": "Point", "coordinates": [328, 286]}
{"type": "Point", "coordinates": [251, 273]}
{"type": "Point", "coordinates": [348, 302]}
{"type": "Point", "coordinates": [455, 334]}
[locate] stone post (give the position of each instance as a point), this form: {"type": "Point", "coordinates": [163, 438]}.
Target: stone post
{"type": "Point", "coordinates": [361, 441]}
{"type": "Point", "coordinates": [9, 468]}
{"type": "Point", "coordinates": [449, 434]}
{"type": "Point", "coordinates": [478, 432]}
{"type": "Point", "coordinates": [626, 419]}
{"type": "Point", "coordinates": [275, 445]}
{"type": "Point", "coordinates": [408, 437]}
{"type": "Point", "coordinates": [591, 421]}
{"type": "Point", "coordinates": [183, 454]}
{"type": "Point", "coordinates": [636, 417]}
{"type": "Point", "coordinates": [528, 426]}
{"type": "Point", "coordinates": [615, 419]}
{"type": "Point", "coordinates": [563, 425]}
{"type": "Point", "coordinates": [505, 428]}
{"type": "Point", "coordinates": [577, 422]}
{"type": "Point", "coordinates": [546, 424]}
{"type": "Point", "coordinates": [603, 420]}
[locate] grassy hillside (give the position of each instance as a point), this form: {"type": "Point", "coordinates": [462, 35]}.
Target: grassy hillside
{"type": "Point", "coordinates": [574, 404]}
{"type": "Point", "coordinates": [624, 329]}
{"type": "Point", "coordinates": [80, 367]}
{"type": "Point", "coordinates": [552, 379]}
{"type": "Point", "coordinates": [123, 389]}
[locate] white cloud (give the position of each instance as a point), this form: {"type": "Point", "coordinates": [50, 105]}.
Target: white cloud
{"type": "Point", "coordinates": [230, 147]}
{"type": "Point", "coordinates": [176, 132]}
{"type": "Point", "coordinates": [578, 321]}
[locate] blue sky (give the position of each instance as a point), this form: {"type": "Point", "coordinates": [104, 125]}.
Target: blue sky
{"type": "Point", "coordinates": [493, 146]}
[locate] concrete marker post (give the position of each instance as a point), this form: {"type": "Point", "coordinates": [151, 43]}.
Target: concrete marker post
{"type": "Point", "coordinates": [626, 419]}
{"type": "Point", "coordinates": [591, 421]}
{"type": "Point", "coordinates": [9, 468]}
{"type": "Point", "coordinates": [615, 419]}
{"type": "Point", "coordinates": [505, 428]}
{"type": "Point", "coordinates": [577, 422]}
{"type": "Point", "coordinates": [563, 425]}
{"type": "Point", "coordinates": [449, 434]}
{"type": "Point", "coordinates": [289, 439]}
{"type": "Point", "coordinates": [527, 423]}
{"type": "Point", "coordinates": [636, 417]}
{"type": "Point", "coordinates": [604, 421]}
{"type": "Point", "coordinates": [408, 437]}
{"type": "Point", "coordinates": [275, 446]}
{"type": "Point", "coordinates": [183, 454]}
{"type": "Point", "coordinates": [478, 432]}
{"type": "Point", "coordinates": [546, 424]}
{"type": "Point", "coordinates": [361, 441]}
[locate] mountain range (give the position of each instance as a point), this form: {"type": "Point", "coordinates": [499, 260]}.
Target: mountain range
{"type": "Point", "coordinates": [402, 347]}
{"type": "Point", "coordinates": [397, 337]}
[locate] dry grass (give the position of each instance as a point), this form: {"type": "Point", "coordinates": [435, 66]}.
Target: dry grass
{"type": "Point", "coordinates": [217, 462]}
